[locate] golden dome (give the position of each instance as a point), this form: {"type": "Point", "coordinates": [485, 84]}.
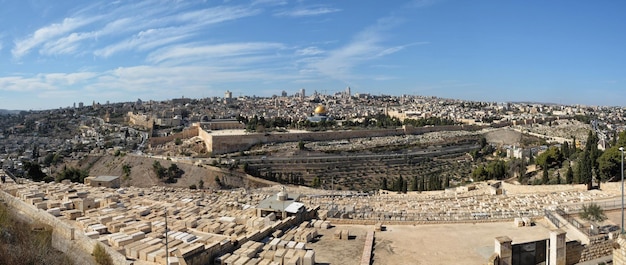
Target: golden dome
{"type": "Point", "coordinates": [320, 110]}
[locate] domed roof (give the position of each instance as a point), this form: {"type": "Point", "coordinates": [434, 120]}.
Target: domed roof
{"type": "Point", "coordinates": [320, 110]}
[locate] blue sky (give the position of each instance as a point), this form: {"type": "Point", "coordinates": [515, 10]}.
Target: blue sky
{"type": "Point", "coordinates": [53, 54]}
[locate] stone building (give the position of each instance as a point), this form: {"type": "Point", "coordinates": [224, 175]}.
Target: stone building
{"type": "Point", "coordinates": [103, 181]}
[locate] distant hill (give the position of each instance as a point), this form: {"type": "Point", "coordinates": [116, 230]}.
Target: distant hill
{"type": "Point", "coordinates": [6, 111]}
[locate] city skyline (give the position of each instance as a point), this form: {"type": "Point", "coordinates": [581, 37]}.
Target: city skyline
{"type": "Point", "coordinates": [55, 55]}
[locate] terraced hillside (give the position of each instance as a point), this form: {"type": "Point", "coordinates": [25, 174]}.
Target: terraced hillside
{"type": "Point", "coordinates": [365, 169]}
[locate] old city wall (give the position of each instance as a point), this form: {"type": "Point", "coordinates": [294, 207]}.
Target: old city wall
{"type": "Point", "coordinates": [65, 238]}
{"type": "Point", "coordinates": [207, 138]}
{"type": "Point", "coordinates": [186, 134]}
{"type": "Point", "coordinates": [221, 144]}
{"type": "Point", "coordinates": [140, 120]}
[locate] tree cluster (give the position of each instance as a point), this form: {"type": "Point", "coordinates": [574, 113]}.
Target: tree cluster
{"type": "Point", "coordinates": [433, 121]}
{"type": "Point", "coordinates": [609, 162]}
{"type": "Point", "coordinates": [553, 157]}
{"type": "Point", "coordinates": [167, 175]}
{"type": "Point", "coordinates": [427, 183]}
{"type": "Point", "coordinates": [73, 174]}
{"type": "Point", "coordinates": [494, 170]}
{"type": "Point", "coordinates": [33, 171]}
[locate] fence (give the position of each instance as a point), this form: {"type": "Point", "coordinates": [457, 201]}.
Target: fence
{"type": "Point", "coordinates": [553, 219]}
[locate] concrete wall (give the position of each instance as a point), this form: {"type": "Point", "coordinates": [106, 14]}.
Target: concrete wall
{"type": "Point", "coordinates": [65, 238]}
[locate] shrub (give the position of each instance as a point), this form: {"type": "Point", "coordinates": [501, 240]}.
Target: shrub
{"type": "Point", "coordinates": [101, 256]}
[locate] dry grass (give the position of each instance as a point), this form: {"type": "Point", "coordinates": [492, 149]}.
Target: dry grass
{"type": "Point", "coordinates": [20, 244]}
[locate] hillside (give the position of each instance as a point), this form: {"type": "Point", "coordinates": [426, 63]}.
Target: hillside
{"type": "Point", "coordinates": [142, 173]}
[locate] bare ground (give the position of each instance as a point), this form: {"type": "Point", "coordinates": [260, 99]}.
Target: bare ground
{"type": "Point", "coordinates": [142, 174]}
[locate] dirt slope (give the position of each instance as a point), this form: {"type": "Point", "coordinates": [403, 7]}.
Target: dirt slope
{"type": "Point", "coordinates": [142, 174]}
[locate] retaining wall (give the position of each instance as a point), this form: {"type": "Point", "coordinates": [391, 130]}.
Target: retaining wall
{"type": "Point", "coordinates": [65, 238]}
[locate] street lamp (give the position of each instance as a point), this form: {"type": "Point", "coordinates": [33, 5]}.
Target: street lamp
{"type": "Point", "coordinates": [621, 149]}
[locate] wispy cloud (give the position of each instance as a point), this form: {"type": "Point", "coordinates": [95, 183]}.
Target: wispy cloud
{"type": "Point", "coordinates": [364, 46]}
{"type": "Point", "coordinates": [50, 81]}
{"type": "Point", "coordinates": [423, 3]}
{"type": "Point", "coordinates": [129, 27]}
{"type": "Point", "coordinates": [185, 53]}
{"type": "Point", "coordinates": [308, 51]}
{"type": "Point", "coordinates": [269, 2]}
{"type": "Point", "coordinates": [307, 12]}
{"type": "Point", "coordinates": [48, 33]}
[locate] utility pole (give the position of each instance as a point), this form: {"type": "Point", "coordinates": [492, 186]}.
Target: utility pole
{"type": "Point", "coordinates": [167, 252]}
{"type": "Point", "coordinates": [622, 151]}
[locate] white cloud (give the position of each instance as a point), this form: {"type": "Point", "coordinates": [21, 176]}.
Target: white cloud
{"type": "Point", "coordinates": [185, 53]}
{"type": "Point", "coordinates": [50, 81]}
{"type": "Point", "coordinates": [269, 2]}
{"type": "Point", "coordinates": [68, 79]}
{"type": "Point", "coordinates": [306, 12]}
{"type": "Point", "coordinates": [365, 46]}
{"type": "Point", "coordinates": [132, 26]}
{"type": "Point", "coordinates": [48, 33]}
{"type": "Point", "coordinates": [423, 3]}
{"type": "Point", "coordinates": [216, 14]}
{"type": "Point", "coordinates": [308, 51]}
{"type": "Point", "coordinates": [21, 84]}
{"type": "Point", "coordinates": [144, 40]}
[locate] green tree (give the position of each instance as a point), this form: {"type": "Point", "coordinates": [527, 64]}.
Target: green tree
{"type": "Point", "coordinates": [126, 169]}
{"type": "Point", "coordinates": [73, 174]}
{"type": "Point", "coordinates": [201, 184]}
{"type": "Point", "coordinates": [621, 139]}
{"type": "Point", "coordinates": [316, 182]}
{"type": "Point", "coordinates": [585, 169]}
{"type": "Point", "coordinates": [569, 175]}
{"type": "Point", "coordinates": [545, 179]}
{"type": "Point", "coordinates": [593, 212]}
{"type": "Point", "coordinates": [158, 169]}
{"type": "Point", "coordinates": [301, 145]}
{"type": "Point", "coordinates": [404, 185]}
{"type": "Point", "coordinates": [565, 149]}
{"type": "Point", "coordinates": [384, 184]}
{"type": "Point", "coordinates": [33, 171]}
{"type": "Point", "coordinates": [550, 158]}
{"type": "Point", "coordinates": [609, 163]}
{"type": "Point", "coordinates": [218, 181]}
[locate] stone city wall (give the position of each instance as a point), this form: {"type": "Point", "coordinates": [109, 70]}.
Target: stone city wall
{"type": "Point", "coordinates": [186, 134]}
{"type": "Point", "coordinates": [141, 120]}
{"type": "Point", "coordinates": [220, 144]}
{"type": "Point", "coordinates": [65, 238]}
